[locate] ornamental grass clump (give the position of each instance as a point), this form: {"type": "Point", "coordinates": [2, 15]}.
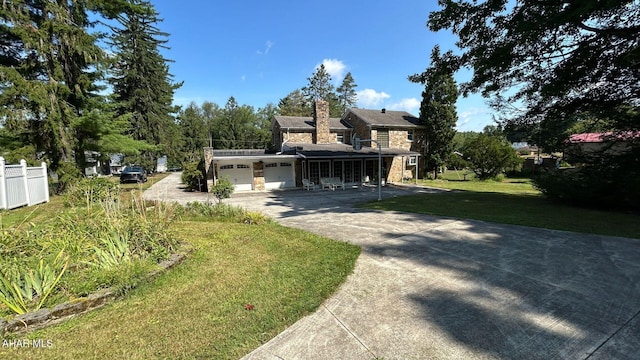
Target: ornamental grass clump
{"type": "Point", "coordinates": [97, 242]}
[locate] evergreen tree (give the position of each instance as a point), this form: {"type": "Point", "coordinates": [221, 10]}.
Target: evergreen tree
{"type": "Point", "coordinates": [320, 88]}
{"type": "Point", "coordinates": [142, 84]}
{"type": "Point", "coordinates": [347, 97]}
{"type": "Point", "coordinates": [295, 104]}
{"type": "Point", "coordinates": [437, 111]}
{"type": "Point", "coordinates": [49, 68]}
{"type": "Point", "coordinates": [194, 129]}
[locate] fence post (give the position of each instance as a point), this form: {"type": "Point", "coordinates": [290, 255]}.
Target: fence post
{"type": "Point", "coordinates": [3, 185]}
{"type": "Point", "coordinates": [23, 167]}
{"type": "Point", "coordinates": [46, 181]}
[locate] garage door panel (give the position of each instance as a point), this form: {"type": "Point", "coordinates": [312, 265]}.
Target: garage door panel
{"type": "Point", "coordinates": [278, 176]}
{"type": "Point", "coordinates": [242, 178]}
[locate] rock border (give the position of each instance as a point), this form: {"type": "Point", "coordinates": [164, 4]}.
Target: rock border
{"type": "Point", "coordinates": [43, 318]}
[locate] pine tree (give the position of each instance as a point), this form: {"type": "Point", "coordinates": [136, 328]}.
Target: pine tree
{"type": "Point", "coordinates": [295, 104]}
{"type": "Point", "coordinates": [142, 84]}
{"type": "Point", "coordinates": [49, 66]}
{"type": "Point", "coordinates": [321, 88]}
{"type": "Point", "coordinates": [347, 97]}
{"type": "Point", "coordinates": [437, 111]}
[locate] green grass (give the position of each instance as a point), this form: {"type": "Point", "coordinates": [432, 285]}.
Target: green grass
{"type": "Point", "coordinates": [43, 212]}
{"type": "Point", "coordinates": [512, 201]}
{"type": "Point", "coordinates": [197, 310]}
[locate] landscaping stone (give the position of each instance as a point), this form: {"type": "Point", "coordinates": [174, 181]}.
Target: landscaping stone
{"type": "Point", "coordinates": [3, 325]}
{"type": "Point", "coordinates": [23, 321]}
{"type": "Point", "coordinates": [68, 309]}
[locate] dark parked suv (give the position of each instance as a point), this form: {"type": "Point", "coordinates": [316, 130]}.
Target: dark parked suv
{"type": "Point", "coordinates": [133, 174]}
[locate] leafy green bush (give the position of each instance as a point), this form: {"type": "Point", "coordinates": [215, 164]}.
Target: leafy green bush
{"type": "Point", "coordinates": [222, 189]}
{"type": "Point", "coordinates": [193, 175]}
{"type": "Point", "coordinates": [489, 155]}
{"type": "Point", "coordinates": [610, 182]}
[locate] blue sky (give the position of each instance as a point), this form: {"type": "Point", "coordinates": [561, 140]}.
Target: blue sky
{"type": "Point", "coordinates": [260, 51]}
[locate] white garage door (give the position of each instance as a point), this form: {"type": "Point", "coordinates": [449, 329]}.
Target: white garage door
{"type": "Point", "coordinates": [240, 175]}
{"type": "Point", "coordinates": [278, 175]}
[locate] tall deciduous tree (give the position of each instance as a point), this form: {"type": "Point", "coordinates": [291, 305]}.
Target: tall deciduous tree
{"type": "Point", "coordinates": [142, 84]}
{"type": "Point", "coordinates": [560, 60]}
{"type": "Point", "coordinates": [437, 111]}
{"type": "Point", "coordinates": [347, 96]}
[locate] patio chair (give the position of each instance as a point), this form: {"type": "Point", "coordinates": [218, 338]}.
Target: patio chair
{"type": "Point", "coordinates": [337, 183]}
{"type": "Point", "coordinates": [308, 185]}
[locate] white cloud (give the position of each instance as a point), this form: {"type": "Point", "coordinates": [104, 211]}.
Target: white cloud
{"type": "Point", "coordinates": [267, 46]}
{"type": "Point", "coordinates": [474, 119]}
{"type": "Point", "coordinates": [335, 68]}
{"type": "Point", "coordinates": [410, 105]}
{"type": "Point", "coordinates": [369, 98]}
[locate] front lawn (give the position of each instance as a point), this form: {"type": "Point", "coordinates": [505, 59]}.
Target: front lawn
{"type": "Point", "coordinates": [201, 308]}
{"type": "Point", "coordinates": [246, 280]}
{"type": "Point", "coordinates": [512, 201]}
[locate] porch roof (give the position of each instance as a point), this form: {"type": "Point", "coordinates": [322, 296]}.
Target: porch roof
{"type": "Point", "coordinates": [333, 151]}
{"type": "Point", "coordinates": [249, 154]}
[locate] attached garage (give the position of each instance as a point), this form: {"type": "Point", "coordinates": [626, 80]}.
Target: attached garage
{"type": "Point", "coordinates": [240, 174]}
{"type": "Point", "coordinates": [279, 175]}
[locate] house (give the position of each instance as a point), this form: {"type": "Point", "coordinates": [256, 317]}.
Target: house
{"type": "Point", "coordinates": [317, 147]}
{"type": "Point", "coordinates": [580, 146]}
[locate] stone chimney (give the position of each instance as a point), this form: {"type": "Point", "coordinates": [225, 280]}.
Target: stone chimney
{"type": "Point", "coordinates": [321, 118]}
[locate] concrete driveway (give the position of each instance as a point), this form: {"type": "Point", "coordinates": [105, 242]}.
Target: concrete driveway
{"type": "Point", "coordinates": [440, 288]}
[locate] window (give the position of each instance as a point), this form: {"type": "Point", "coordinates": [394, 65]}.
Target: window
{"type": "Point", "coordinates": [410, 135]}
{"type": "Point", "coordinates": [412, 160]}
{"type": "Point", "coordinates": [226, 167]}
{"type": "Point", "coordinates": [271, 165]}
{"type": "Point", "coordinates": [340, 137]}
{"type": "Point", "coordinates": [383, 138]}
{"type": "Point", "coordinates": [285, 164]}
{"type": "Point", "coordinates": [243, 166]}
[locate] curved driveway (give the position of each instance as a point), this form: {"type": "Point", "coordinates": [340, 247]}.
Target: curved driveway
{"type": "Point", "coordinates": [441, 288]}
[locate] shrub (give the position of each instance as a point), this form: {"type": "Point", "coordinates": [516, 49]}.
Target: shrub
{"type": "Point", "coordinates": [254, 218]}
{"type": "Point", "coordinates": [193, 175]}
{"type": "Point", "coordinates": [489, 156]}
{"type": "Point", "coordinates": [223, 189]}
{"type": "Point", "coordinates": [609, 182]}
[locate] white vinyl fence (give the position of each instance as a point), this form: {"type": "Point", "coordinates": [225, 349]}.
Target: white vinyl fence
{"type": "Point", "coordinates": [21, 185]}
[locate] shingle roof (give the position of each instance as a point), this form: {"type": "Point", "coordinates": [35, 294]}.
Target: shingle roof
{"type": "Point", "coordinates": [306, 123]}
{"type": "Point", "coordinates": [385, 119]}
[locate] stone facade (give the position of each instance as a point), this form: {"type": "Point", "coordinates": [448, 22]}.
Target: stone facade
{"type": "Point", "coordinates": [298, 137]}
{"type": "Point", "coordinates": [321, 118]}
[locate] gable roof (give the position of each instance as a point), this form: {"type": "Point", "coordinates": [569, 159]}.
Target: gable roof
{"type": "Point", "coordinates": [307, 123]}
{"type": "Point", "coordinates": [385, 118]}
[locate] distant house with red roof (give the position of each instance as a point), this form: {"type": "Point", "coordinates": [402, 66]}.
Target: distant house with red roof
{"type": "Point", "coordinates": [592, 144]}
